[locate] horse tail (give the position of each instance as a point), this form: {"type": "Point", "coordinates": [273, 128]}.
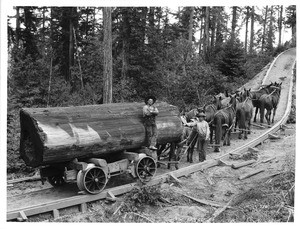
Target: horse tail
{"type": "Point", "coordinates": [218, 128]}
{"type": "Point", "coordinates": [242, 118]}
{"type": "Point", "coordinates": [262, 110]}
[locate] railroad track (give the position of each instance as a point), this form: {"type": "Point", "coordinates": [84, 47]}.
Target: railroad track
{"type": "Point", "coordinates": [61, 198]}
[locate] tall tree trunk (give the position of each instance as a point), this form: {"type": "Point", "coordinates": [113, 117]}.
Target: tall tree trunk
{"type": "Point", "coordinates": [143, 24]}
{"type": "Point", "coordinates": [151, 25]}
{"type": "Point", "coordinates": [125, 47]}
{"type": "Point", "coordinates": [252, 30]}
{"type": "Point", "coordinates": [219, 37]}
{"type": "Point", "coordinates": [280, 24]}
{"type": "Point", "coordinates": [17, 25]}
{"type": "Point", "coordinates": [246, 33]}
{"type": "Point", "coordinates": [234, 21]}
{"type": "Point", "coordinates": [191, 23]}
{"type": "Point", "coordinates": [107, 43]}
{"type": "Point", "coordinates": [270, 31]}
{"type": "Point", "coordinates": [87, 22]}
{"type": "Point", "coordinates": [264, 30]}
{"type": "Point", "coordinates": [213, 28]}
{"type": "Point", "coordinates": [206, 34]}
{"type": "Point", "coordinates": [201, 36]}
{"type": "Point", "coordinates": [43, 29]}
{"type": "Point", "coordinates": [94, 21]}
{"type": "Point", "coordinates": [159, 16]}
{"type": "Point", "coordinates": [71, 47]}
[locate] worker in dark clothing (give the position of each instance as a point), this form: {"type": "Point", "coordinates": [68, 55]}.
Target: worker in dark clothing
{"type": "Point", "coordinates": [149, 114]}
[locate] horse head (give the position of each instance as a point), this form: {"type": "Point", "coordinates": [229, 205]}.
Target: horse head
{"type": "Point", "coordinates": [217, 102]}
{"type": "Point", "coordinates": [247, 94]}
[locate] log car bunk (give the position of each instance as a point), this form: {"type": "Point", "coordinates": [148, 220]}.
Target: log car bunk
{"type": "Point", "coordinates": [89, 144]}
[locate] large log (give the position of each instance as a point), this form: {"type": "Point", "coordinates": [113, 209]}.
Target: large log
{"type": "Point", "coordinates": [60, 134]}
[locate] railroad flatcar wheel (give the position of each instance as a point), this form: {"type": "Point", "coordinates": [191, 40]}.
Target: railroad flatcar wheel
{"type": "Point", "coordinates": [93, 180]}
{"type": "Point", "coordinates": [56, 180]}
{"type": "Point", "coordinates": [145, 168]}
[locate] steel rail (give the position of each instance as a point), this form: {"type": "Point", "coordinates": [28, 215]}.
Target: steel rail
{"type": "Point", "coordinates": [83, 199]}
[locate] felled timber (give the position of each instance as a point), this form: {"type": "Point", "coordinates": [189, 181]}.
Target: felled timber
{"type": "Point", "coordinates": [60, 134]}
{"type": "Point", "coordinates": [242, 164]}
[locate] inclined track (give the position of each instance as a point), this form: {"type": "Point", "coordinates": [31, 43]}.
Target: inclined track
{"type": "Point", "coordinates": [53, 199]}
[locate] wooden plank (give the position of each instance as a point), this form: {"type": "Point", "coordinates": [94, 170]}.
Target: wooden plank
{"type": "Point", "coordinates": [111, 197]}
{"type": "Point", "coordinates": [242, 164]}
{"type": "Point", "coordinates": [55, 213]}
{"type": "Point", "coordinates": [264, 161]}
{"type": "Point", "coordinates": [172, 176]}
{"type": "Point", "coordinates": [253, 150]}
{"type": "Point", "coordinates": [22, 217]}
{"type": "Point", "coordinates": [252, 173]}
{"type": "Point", "coordinates": [257, 125]}
{"type": "Point", "coordinates": [83, 207]}
{"type": "Point", "coordinates": [273, 136]}
{"type": "Point", "coordinates": [33, 178]}
{"type": "Point", "coordinates": [283, 126]}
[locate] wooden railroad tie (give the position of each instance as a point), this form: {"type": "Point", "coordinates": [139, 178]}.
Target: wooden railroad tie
{"type": "Point", "coordinates": [283, 126]}
{"type": "Point", "coordinates": [253, 150]}
{"type": "Point", "coordinates": [173, 177]}
{"type": "Point", "coordinates": [22, 217]}
{"type": "Point", "coordinates": [257, 125]}
{"type": "Point", "coordinates": [55, 213]}
{"type": "Point", "coordinates": [83, 207]}
{"type": "Point", "coordinates": [242, 164]}
{"type": "Point", "coordinates": [264, 161]}
{"type": "Point", "coordinates": [111, 197]}
{"type": "Point", "coordinates": [274, 137]}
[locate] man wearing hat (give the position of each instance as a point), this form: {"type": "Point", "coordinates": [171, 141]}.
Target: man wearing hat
{"type": "Point", "coordinates": [203, 136]}
{"type": "Point", "coordinates": [149, 114]}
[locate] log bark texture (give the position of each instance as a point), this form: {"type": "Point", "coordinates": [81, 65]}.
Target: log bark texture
{"type": "Point", "coordinates": [60, 134]}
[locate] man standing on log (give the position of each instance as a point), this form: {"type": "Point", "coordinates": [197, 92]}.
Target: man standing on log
{"type": "Point", "coordinates": [149, 114]}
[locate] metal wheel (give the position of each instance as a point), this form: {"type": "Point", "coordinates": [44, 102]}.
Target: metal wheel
{"type": "Point", "coordinates": [93, 180]}
{"type": "Point", "coordinates": [145, 168]}
{"type": "Point", "coordinates": [56, 181]}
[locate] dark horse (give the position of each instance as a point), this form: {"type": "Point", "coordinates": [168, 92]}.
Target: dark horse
{"type": "Point", "coordinates": [244, 110]}
{"type": "Point", "coordinates": [223, 122]}
{"type": "Point", "coordinates": [210, 111]}
{"type": "Point", "coordinates": [256, 96]}
{"type": "Point", "coordinates": [270, 102]}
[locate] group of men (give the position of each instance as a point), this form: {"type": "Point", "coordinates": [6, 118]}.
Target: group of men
{"type": "Point", "coordinates": [197, 128]}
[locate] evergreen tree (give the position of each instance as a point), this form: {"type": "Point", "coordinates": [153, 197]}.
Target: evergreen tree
{"type": "Point", "coordinates": [231, 60]}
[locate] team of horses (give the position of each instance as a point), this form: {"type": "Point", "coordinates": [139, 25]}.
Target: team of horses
{"type": "Point", "coordinates": [231, 111]}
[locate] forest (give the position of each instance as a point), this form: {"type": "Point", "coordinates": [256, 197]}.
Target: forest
{"type": "Point", "coordinates": [69, 56]}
